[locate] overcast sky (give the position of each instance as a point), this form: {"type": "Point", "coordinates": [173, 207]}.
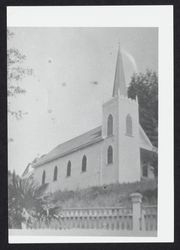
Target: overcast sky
{"type": "Point", "coordinates": [62, 100]}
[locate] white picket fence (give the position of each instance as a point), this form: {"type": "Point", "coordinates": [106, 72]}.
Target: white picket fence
{"type": "Point", "coordinates": [134, 218]}
{"type": "Point", "coordinates": [99, 218]}
{"type": "Point", "coordinates": [149, 217]}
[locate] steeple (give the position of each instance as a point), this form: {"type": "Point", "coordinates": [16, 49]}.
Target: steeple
{"type": "Point", "coordinates": [119, 79]}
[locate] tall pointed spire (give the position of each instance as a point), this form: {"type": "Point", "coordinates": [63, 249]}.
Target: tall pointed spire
{"type": "Point", "coordinates": [119, 79]}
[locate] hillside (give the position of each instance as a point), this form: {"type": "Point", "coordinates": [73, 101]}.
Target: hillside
{"type": "Point", "coordinates": [110, 195]}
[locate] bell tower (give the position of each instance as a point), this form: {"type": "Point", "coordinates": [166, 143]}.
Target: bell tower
{"type": "Point", "coordinates": [120, 131]}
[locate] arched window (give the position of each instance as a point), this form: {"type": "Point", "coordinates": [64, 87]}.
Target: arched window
{"type": "Point", "coordinates": [110, 125]}
{"type": "Point", "coordinates": [55, 173]}
{"type": "Point", "coordinates": [69, 169]}
{"type": "Point", "coordinates": [84, 163]}
{"type": "Point", "coordinates": [43, 177]}
{"type": "Point", "coordinates": [110, 155]}
{"type": "Point", "coordinates": [145, 169]}
{"type": "Point", "coordinates": [128, 125]}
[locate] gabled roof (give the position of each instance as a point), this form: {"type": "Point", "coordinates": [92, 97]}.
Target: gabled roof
{"type": "Point", "coordinates": [77, 143]}
{"type": "Point", "coordinates": [144, 141]}
{"type": "Point", "coordinates": [27, 172]}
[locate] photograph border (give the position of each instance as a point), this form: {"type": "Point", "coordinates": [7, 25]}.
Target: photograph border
{"type": "Point", "coordinates": [4, 108]}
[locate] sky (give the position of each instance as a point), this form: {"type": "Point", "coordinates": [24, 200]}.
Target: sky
{"type": "Point", "coordinates": [73, 76]}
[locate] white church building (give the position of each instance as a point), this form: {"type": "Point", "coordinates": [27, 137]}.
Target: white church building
{"type": "Point", "coordinates": [118, 151]}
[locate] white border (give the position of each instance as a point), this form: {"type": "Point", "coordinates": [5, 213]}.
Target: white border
{"type": "Point", "coordinates": [121, 16]}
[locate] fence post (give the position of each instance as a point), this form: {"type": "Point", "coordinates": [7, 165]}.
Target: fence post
{"type": "Point", "coordinates": [136, 199]}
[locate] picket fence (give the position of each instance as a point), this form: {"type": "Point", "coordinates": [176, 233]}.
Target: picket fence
{"type": "Point", "coordinates": [135, 218]}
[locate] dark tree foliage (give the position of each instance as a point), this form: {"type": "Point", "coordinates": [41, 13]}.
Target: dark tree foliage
{"type": "Point", "coordinates": [15, 73]}
{"type": "Point", "coordinates": [145, 86]}
{"type": "Point", "coordinates": [25, 198]}
{"type": "Point", "coordinates": [28, 202]}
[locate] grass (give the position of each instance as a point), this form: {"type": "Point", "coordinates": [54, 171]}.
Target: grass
{"type": "Point", "coordinates": [106, 196]}
{"type": "Point", "coordinates": [74, 232]}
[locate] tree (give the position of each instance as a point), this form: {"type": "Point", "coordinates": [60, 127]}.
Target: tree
{"type": "Point", "coordinates": [15, 73]}
{"type": "Point", "coordinates": [27, 202]}
{"type": "Point", "coordinates": [145, 86]}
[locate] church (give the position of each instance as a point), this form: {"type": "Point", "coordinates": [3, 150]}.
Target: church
{"type": "Point", "coordinates": [118, 151]}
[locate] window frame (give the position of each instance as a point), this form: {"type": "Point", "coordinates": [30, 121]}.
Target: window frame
{"type": "Point", "coordinates": [110, 125]}
{"type": "Point", "coordinates": [43, 180]}
{"type": "Point", "coordinates": [82, 166]}
{"type": "Point", "coordinates": [110, 147]}
{"type": "Point", "coordinates": [68, 172]}
{"type": "Point", "coordinates": [55, 173]}
{"type": "Point", "coordinates": [129, 125]}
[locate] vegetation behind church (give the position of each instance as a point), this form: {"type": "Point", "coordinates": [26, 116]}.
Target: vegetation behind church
{"type": "Point", "coordinates": [145, 86]}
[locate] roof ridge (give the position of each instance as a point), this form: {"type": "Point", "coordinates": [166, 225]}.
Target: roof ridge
{"type": "Point", "coordinates": [69, 146]}
{"type": "Point", "coordinates": [76, 137]}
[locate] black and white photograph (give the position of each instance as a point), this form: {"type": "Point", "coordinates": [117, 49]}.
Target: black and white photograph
{"type": "Point", "coordinates": [83, 126]}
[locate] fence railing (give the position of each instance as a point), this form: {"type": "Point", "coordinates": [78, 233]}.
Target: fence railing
{"type": "Point", "coordinates": [99, 218]}
{"type": "Point", "coordinates": [135, 218]}
{"type": "Point", "coordinates": [149, 215]}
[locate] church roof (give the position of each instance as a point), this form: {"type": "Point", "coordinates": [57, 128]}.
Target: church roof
{"type": "Point", "coordinates": [84, 140]}
{"type": "Point", "coordinates": [144, 141]}
{"type": "Point", "coordinates": [77, 143]}
{"type": "Point", "coordinates": [119, 79]}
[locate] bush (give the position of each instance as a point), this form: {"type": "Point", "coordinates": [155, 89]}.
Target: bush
{"type": "Point", "coordinates": [109, 195]}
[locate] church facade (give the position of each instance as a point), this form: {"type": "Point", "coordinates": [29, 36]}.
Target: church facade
{"type": "Point", "coordinates": [119, 151]}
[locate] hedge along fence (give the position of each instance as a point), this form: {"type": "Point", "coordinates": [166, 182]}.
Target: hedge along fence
{"type": "Point", "coordinates": [112, 195]}
{"type": "Point", "coordinates": [135, 218]}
